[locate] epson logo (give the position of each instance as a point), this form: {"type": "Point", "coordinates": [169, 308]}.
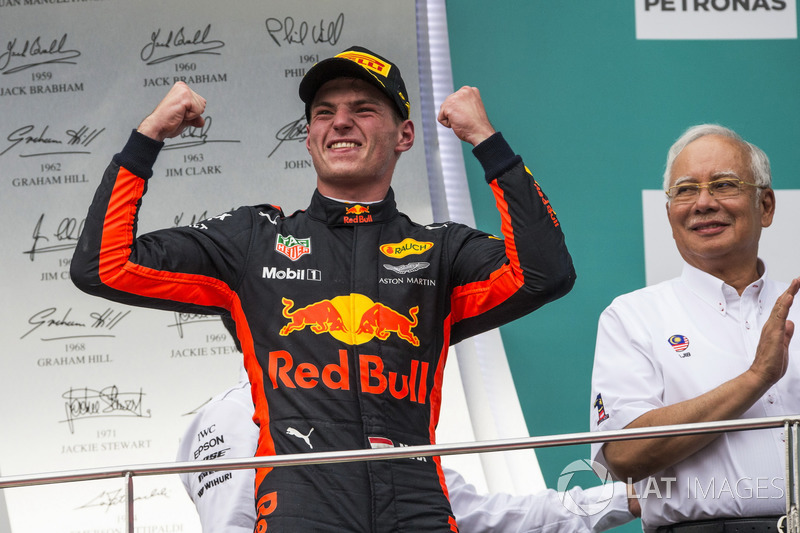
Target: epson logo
{"type": "Point", "coordinates": [308, 274]}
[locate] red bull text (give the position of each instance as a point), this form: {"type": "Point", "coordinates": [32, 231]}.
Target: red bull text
{"type": "Point", "coordinates": [373, 377]}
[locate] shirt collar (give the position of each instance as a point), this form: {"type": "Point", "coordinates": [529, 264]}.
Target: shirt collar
{"type": "Point", "coordinates": [715, 292]}
{"type": "Point", "coordinates": [337, 213]}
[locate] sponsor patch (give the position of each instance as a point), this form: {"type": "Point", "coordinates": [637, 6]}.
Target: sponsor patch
{"type": "Point", "coordinates": [292, 247]}
{"type": "Point", "coordinates": [299, 274]}
{"type": "Point", "coordinates": [368, 61]}
{"type": "Point", "coordinates": [408, 268]}
{"type": "Point", "coordinates": [353, 319]}
{"type": "Point", "coordinates": [357, 209]}
{"type": "Point", "coordinates": [371, 376]}
{"type": "Point", "coordinates": [406, 247]}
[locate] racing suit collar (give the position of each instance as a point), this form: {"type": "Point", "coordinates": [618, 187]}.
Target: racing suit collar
{"type": "Point", "coordinates": [337, 213]}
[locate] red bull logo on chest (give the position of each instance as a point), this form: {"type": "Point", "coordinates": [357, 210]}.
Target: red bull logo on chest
{"type": "Point", "coordinates": [353, 319]}
{"type": "Point", "coordinates": [373, 377]}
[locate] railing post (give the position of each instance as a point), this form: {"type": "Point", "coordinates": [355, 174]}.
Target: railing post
{"type": "Point", "coordinates": [791, 524]}
{"type": "Point", "coordinates": [793, 483]}
{"type": "Point", "coordinates": [129, 500]}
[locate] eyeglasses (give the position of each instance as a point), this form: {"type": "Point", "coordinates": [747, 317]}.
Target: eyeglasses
{"type": "Point", "coordinates": [723, 188]}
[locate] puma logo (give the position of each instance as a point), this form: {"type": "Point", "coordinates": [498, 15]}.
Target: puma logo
{"type": "Point", "coordinates": [274, 221]}
{"type": "Point", "coordinates": [295, 433]}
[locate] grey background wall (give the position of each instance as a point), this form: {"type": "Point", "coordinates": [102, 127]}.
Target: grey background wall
{"type": "Point", "coordinates": [593, 110]}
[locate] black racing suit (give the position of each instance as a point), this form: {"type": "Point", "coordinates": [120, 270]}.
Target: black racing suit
{"type": "Point", "coordinates": [345, 313]}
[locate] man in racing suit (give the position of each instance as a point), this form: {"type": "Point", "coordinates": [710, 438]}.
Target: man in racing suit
{"type": "Point", "coordinates": [345, 348]}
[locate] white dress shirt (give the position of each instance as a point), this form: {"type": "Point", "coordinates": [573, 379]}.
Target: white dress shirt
{"type": "Point", "coordinates": [674, 341]}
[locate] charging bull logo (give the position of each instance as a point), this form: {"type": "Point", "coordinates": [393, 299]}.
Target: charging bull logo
{"type": "Point", "coordinates": [320, 317]}
{"type": "Point", "coordinates": [357, 209]}
{"type": "Point", "coordinates": [358, 214]}
{"type": "Point", "coordinates": [381, 321]}
{"type": "Point", "coordinates": [353, 319]}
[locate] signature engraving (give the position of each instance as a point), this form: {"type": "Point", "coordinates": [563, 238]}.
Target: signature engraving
{"type": "Point", "coordinates": [197, 409]}
{"type": "Point", "coordinates": [293, 131]}
{"type": "Point", "coordinates": [290, 32]}
{"type": "Point", "coordinates": [108, 402]}
{"type": "Point", "coordinates": [33, 54]}
{"type": "Point", "coordinates": [183, 319]}
{"type": "Point", "coordinates": [66, 235]}
{"type": "Point", "coordinates": [194, 219]}
{"type": "Point", "coordinates": [77, 139]}
{"type": "Point", "coordinates": [83, 136]}
{"type": "Point", "coordinates": [50, 317]}
{"type": "Point", "coordinates": [199, 43]}
{"type": "Point", "coordinates": [196, 137]}
{"type": "Point", "coordinates": [110, 498]}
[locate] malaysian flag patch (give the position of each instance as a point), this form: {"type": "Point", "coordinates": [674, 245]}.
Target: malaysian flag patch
{"type": "Point", "coordinates": [601, 410]}
{"type": "Point", "coordinates": [679, 343]}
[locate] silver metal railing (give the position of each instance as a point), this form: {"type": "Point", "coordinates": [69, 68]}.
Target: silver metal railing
{"type": "Point", "coordinates": [790, 423]}
{"type": "Point", "coordinates": [792, 520]}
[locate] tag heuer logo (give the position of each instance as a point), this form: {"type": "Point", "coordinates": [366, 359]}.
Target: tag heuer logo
{"type": "Point", "coordinates": [293, 248]}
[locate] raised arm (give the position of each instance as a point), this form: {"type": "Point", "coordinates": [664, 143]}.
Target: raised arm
{"type": "Point", "coordinates": [500, 280]}
{"type": "Point", "coordinates": [176, 268]}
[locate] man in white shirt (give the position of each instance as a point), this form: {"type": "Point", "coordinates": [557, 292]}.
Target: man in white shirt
{"type": "Point", "coordinates": [712, 344]}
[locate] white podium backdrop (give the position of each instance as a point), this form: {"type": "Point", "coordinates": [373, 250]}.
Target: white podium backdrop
{"type": "Point", "coordinates": [86, 382]}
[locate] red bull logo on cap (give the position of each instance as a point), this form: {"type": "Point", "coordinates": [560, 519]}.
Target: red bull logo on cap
{"type": "Point", "coordinates": [353, 319]}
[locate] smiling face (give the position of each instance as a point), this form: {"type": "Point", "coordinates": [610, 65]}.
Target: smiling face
{"type": "Point", "coordinates": [355, 139]}
{"type": "Point", "coordinates": [719, 236]}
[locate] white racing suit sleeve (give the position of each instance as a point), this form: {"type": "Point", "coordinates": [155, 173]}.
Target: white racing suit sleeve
{"type": "Point", "coordinates": [222, 429]}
